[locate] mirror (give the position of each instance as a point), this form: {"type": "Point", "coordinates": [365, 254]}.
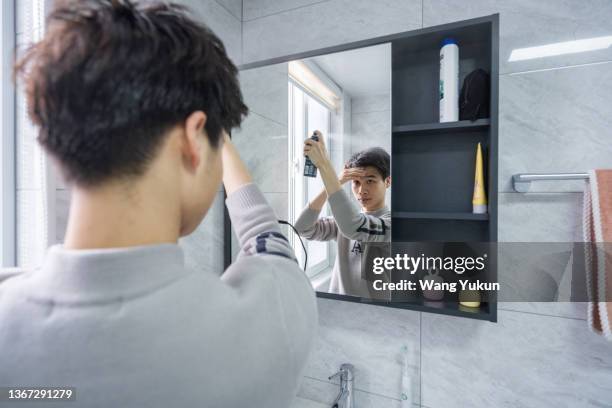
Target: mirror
{"type": "Point", "coordinates": [385, 92]}
{"type": "Point", "coordinates": [347, 97]}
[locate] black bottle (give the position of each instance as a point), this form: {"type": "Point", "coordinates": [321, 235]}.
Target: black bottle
{"type": "Point", "coordinates": [310, 170]}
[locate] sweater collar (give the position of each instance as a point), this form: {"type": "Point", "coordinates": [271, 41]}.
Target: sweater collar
{"type": "Point", "coordinates": [92, 275]}
{"type": "Point", "coordinates": [380, 211]}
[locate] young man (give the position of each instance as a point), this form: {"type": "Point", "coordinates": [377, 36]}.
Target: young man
{"type": "Point", "coordinates": [134, 103]}
{"type": "Point", "coordinates": [368, 172]}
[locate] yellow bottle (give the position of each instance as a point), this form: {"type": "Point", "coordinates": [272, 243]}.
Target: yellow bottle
{"type": "Point", "coordinates": [479, 199]}
{"type": "Point", "coordinates": [469, 298]}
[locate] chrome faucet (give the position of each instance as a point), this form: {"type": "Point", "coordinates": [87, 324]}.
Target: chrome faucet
{"type": "Point", "coordinates": [346, 398]}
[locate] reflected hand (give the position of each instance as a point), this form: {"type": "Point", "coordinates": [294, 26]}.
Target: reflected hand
{"type": "Point", "coordinates": [316, 150]}
{"type": "Point", "coordinates": [349, 174]}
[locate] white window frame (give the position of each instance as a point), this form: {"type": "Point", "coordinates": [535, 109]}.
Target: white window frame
{"type": "Point", "coordinates": [7, 137]}
{"type": "Point", "coordinates": [35, 199]}
{"type": "Point", "coordinates": [296, 165]}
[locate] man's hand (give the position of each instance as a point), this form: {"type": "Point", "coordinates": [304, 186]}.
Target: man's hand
{"type": "Point", "coordinates": [316, 151]}
{"type": "Point", "coordinates": [351, 174]}
{"type": "Point", "coordinates": [235, 173]}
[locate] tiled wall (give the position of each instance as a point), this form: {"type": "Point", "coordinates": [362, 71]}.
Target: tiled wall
{"type": "Point", "coordinates": [371, 127]}
{"type": "Point", "coordinates": [555, 116]}
{"type": "Point", "coordinates": [263, 138]}
{"type": "Point", "coordinates": [371, 122]}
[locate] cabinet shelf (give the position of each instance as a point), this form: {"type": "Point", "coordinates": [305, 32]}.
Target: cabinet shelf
{"type": "Point", "coordinates": [433, 163]}
{"type": "Point", "coordinates": [441, 128]}
{"type": "Point", "coordinates": [486, 311]}
{"type": "Point", "coordinates": [452, 308]}
{"type": "Point", "coordinates": [440, 215]}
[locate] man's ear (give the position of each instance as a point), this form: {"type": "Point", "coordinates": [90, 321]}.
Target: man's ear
{"type": "Point", "coordinates": [388, 182]}
{"type": "Point", "coordinates": [194, 138]}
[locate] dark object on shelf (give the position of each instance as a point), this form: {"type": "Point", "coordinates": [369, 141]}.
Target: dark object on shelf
{"type": "Point", "coordinates": [474, 96]}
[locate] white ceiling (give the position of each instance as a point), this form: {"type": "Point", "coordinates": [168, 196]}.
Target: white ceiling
{"type": "Point", "coordinates": [360, 72]}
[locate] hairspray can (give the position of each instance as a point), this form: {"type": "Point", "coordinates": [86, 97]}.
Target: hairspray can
{"type": "Point", "coordinates": [310, 170]}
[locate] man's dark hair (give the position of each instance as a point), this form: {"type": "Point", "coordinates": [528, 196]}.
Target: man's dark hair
{"type": "Point", "coordinates": [375, 157]}
{"type": "Point", "coordinates": [111, 77]}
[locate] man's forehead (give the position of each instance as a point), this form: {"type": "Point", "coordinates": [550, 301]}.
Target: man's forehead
{"type": "Point", "coordinates": [370, 171]}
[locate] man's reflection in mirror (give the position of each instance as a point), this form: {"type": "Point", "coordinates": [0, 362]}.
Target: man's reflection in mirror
{"type": "Point", "coordinates": [351, 226]}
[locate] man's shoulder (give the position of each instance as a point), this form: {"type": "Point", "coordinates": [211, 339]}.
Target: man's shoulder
{"type": "Point", "coordinates": [6, 273]}
{"type": "Point", "coordinates": [11, 278]}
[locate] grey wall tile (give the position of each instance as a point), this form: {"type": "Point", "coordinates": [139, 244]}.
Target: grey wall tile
{"type": "Point", "coordinates": [371, 338]}
{"type": "Point", "coordinates": [371, 124]}
{"type": "Point", "coordinates": [543, 279]}
{"type": "Point", "coordinates": [260, 8]}
{"type": "Point", "coordinates": [545, 217]}
{"type": "Point", "coordinates": [524, 360]}
{"type": "Point", "coordinates": [347, 114]}
{"type": "Point", "coordinates": [299, 402]}
{"type": "Point", "coordinates": [265, 91]}
{"type": "Point", "coordinates": [203, 249]}
{"type": "Point", "coordinates": [325, 24]}
{"type": "Point", "coordinates": [62, 209]}
{"type": "Point", "coordinates": [570, 310]}
{"type": "Point", "coordinates": [526, 23]}
{"type": "Point", "coordinates": [233, 6]}
{"type": "Point", "coordinates": [555, 121]}
{"type": "Point", "coordinates": [373, 103]}
{"type": "Point", "coordinates": [280, 204]}
{"type": "Point", "coordinates": [222, 22]}
{"type": "Point", "coordinates": [235, 246]}
{"type": "Point", "coordinates": [262, 143]}
{"type": "Point", "coordinates": [263, 138]}
{"type": "Point", "coordinates": [370, 129]}
{"type": "Point", "coordinates": [534, 272]}
{"type": "Point", "coordinates": [536, 232]}
{"type": "Point", "coordinates": [60, 183]}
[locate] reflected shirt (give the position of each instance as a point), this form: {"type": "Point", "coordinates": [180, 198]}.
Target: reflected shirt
{"type": "Point", "coordinates": [352, 230]}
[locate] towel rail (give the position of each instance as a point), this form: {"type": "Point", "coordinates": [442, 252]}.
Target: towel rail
{"type": "Point", "coordinates": [522, 182]}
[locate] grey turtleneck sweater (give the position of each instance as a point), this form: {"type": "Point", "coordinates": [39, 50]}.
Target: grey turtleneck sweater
{"type": "Point", "coordinates": [133, 327]}
{"type": "Point", "coordinates": [352, 230]}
